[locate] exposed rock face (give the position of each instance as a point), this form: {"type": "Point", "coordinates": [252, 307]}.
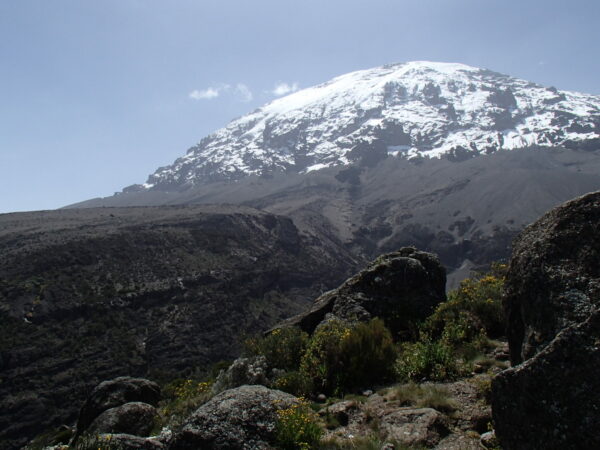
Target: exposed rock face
{"type": "Point", "coordinates": [241, 418]}
{"type": "Point", "coordinates": [136, 418]}
{"type": "Point", "coordinates": [554, 277]}
{"type": "Point", "coordinates": [400, 287]}
{"type": "Point", "coordinates": [114, 393]}
{"type": "Point", "coordinates": [550, 400]}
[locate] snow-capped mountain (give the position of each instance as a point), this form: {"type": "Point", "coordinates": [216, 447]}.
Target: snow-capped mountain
{"type": "Point", "coordinates": [415, 109]}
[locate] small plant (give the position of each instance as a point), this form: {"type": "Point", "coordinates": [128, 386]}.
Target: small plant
{"type": "Point", "coordinates": [183, 396]}
{"type": "Point", "coordinates": [297, 428]}
{"type": "Point", "coordinates": [423, 396]}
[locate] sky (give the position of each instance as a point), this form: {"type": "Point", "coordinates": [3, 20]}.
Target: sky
{"type": "Point", "coordinates": [97, 94]}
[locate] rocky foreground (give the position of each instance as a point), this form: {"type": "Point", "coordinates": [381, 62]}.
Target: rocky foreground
{"type": "Point", "coordinates": [548, 399]}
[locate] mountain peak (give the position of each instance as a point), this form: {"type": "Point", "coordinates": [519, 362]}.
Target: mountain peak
{"type": "Point", "coordinates": [413, 109]}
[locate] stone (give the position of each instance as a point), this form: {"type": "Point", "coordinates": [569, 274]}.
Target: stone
{"type": "Point", "coordinates": [134, 418]}
{"type": "Point", "coordinates": [488, 440]}
{"type": "Point", "coordinates": [240, 418]}
{"type": "Point", "coordinates": [414, 426]}
{"type": "Point", "coordinates": [552, 401]}
{"type": "Point", "coordinates": [401, 287]}
{"type": "Point", "coordinates": [116, 392]}
{"type": "Point", "coordinates": [553, 280]}
{"type": "Point", "coordinates": [243, 371]}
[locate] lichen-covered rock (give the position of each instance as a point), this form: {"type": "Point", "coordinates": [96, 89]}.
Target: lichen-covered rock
{"type": "Point", "coordinates": [116, 392]}
{"type": "Point", "coordinates": [414, 426]}
{"type": "Point", "coordinates": [135, 418]}
{"type": "Point", "coordinates": [552, 401]}
{"type": "Point", "coordinates": [241, 418]}
{"type": "Point", "coordinates": [243, 371]}
{"type": "Point", "coordinates": [400, 287]}
{"type": "Point", "coordinates": [553, 281]}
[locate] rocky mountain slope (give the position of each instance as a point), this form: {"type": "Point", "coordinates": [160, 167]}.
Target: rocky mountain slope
{"type": "Point", "coordinates": [409, 110]}
{"type": "Point", "coordinates": [466, 212]}
{"type": "Point", "coordinates": [446, 157]}
{"type": "Point", "coordinates": [91, 294]}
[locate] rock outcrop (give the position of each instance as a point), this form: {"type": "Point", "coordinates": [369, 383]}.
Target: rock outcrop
{"type": "Point", "coordinates": [550, 399]}
{"type": "Point", "coordinates": [241, 418]}
{"type": "Point", "coordinates": [401, 287]}
{"type": "Point", "coordinates": [140, 394]}
{"type": "Point", "coordinates": [135, 418]}
{"type": "Point", "coordinates": [554, 277]}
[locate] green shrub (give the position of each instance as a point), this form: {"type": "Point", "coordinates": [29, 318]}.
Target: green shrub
{"type": "Point", "coordinates": [295, 383]}
{"type": "Point", "coordinates": [321, 361]}
{"type": "Point", "coordinates": [283, 348]}
{"type": "Point", "coordinates": [297, 428]}
{"type": "Point", "coordinates": [428, 359]}
{"type": "Point", "coordinates": [340, 358]}
{"type": "Point", "coordinates": [368, 355]}
{"type": "Point", "coordinates": [476, 305]}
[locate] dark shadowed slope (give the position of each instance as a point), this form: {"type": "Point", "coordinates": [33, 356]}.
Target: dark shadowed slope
{"type": "Point", "coordinates": [90, 294]}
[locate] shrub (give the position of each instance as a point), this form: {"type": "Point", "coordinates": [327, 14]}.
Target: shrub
{"type": "Point", "coordinates": [340, 358]}
{"type": "Point", "coordinates": [475, 305]}
{"type": "Point", "coordinates": [428, 359]}
{"type": "Point", "coordinates": [297, 428]}
{"type": "Point", "coordinates": [283, 348]}
{"type": "Point", "coordinates": [295, 383]}
{"type": "Point", "coordinates": [321, 361]}
{"type": "Point", "coordinates": [368, 354]}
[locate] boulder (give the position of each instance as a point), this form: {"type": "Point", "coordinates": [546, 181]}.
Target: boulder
{"type": "Point", "coordinates": [402, 287]}
{"type": "Point", "coordinates": [553, 280]}
{"type": "Point", "coordinates": [242, 371]}
{"type": "Point", "coordinates": [241, 418]}
{"type": "Point", "coordinates": [135, 418]}
{"type": "Point", "coordinates": [116, 392]}
{"type": "Point", "coordinates": [552, 401]}
{"type": "Point", "coordinates": [414, 426]}
{"type": "Point", "coordinates": [549, 399]}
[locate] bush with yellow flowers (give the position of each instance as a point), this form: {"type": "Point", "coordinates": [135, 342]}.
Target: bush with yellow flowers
{"type": "Point", "coordinates": [297, 428]}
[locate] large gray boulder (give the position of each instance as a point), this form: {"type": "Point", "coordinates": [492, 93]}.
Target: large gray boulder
{"type": "Point", "coordinates": [113, 393]}
{"type": "Point", "coordinates": [553, 280]}
{"type": "Point", "coordinates": [135, 418]}
{"type": "Point", "coordinates": [401, 287]}
{"type": "Point", "coordinates": [241, 418]}
{"type": "Point", "coordinates": [550, 399]}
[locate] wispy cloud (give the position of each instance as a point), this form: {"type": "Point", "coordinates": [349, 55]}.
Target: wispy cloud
{"type": "Point", "coordinates": [240, 92]}
{"type": "Point", "coordinates": [284, 89]}
{"type": "Point", "coordinates": [205, 94]}
{"type": "Point", "coordinates": [243, 92]}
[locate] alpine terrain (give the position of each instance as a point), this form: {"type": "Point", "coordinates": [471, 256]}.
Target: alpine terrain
{"type": "Point", "coordinates": [389, 156]}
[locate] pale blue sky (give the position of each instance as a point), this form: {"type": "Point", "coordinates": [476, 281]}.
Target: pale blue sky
{"type": "Point", "coordinates": [95, 94]}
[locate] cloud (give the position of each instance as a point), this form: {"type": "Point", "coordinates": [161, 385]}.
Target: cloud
{"type": "Point", "coordinates": [240, 92]}
{"type": "Point", "coordinates": [243, 92]}
{"type": "Point", "coordinates": [284, 88]}
{"type": "Point", "coordinates": [205, 94]}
